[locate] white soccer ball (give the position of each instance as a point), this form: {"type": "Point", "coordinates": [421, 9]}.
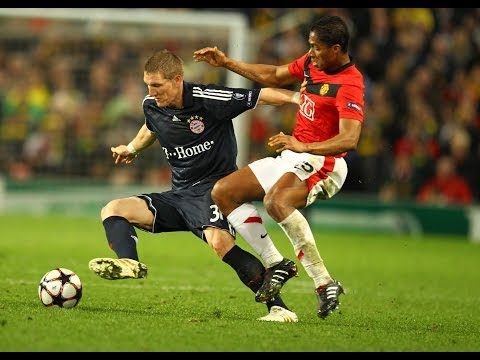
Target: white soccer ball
{"type": "Point", "coordinates": [60, 287]}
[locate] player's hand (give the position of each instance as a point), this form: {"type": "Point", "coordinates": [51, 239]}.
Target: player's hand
{"type": "Point", "coordinates": [303, 87]}
{"type": "Point", "coordinates": [284, 142]}
{"type": "Point", "coordinates": [210, 55]}
{"type": "Point", "coordinates": [121, 154]}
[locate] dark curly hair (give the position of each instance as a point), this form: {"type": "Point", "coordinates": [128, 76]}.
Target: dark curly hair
{"type": "Point", "coordinates": [331, 30]}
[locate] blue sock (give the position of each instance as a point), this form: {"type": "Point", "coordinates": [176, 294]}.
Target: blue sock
{"type": "Point", "coordinates": [121, 237]}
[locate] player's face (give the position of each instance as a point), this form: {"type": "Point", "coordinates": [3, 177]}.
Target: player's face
{"type": "Point", "coordinates": [166, 92]}
{"type": "Point", "coordinates": [323, 56]}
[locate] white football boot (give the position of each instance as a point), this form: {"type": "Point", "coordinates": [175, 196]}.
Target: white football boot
{"type": "Point", "coordinates": [279, 314]}
{"type": "Point", "coordinates": [113, 269]}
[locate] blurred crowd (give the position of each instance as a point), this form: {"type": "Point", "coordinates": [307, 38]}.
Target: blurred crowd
{"type": "Point", "coordinates": [64, 102]}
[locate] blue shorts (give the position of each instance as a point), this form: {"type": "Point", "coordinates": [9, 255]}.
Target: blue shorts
{"type": "Point", "coordinates": [189, 209]}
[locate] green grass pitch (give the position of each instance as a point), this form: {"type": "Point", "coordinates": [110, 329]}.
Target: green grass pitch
{"type": "Point", "coordinates": [402, 294]}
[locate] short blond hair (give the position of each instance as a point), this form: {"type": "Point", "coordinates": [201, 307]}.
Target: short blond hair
{"type": "Point", "coordinates": [166, 63]}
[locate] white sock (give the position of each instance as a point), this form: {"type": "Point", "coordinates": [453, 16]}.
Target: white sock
{"type": "Point", "coordinates": [247, 222]}
{"type": "Point", "coordinates": [300, 235]}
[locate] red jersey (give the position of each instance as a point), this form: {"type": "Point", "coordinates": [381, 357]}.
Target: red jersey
{"type": "Point", "coordinates": [328, 97]}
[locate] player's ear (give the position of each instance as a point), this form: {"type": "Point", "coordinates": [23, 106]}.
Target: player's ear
{"type": "Point", "coordinates": [178, 78]}
{"type": "Point", "coordinates": [337, 48]}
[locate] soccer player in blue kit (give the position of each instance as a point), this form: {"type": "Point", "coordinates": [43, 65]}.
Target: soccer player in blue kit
{"type": "Point", "coordinates": [193, 123]}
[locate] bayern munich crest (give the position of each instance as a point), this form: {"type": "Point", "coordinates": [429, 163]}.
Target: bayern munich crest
{"type": "Point", "coordinates": [196, 124]}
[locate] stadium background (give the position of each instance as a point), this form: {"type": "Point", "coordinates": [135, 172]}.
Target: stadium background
{"type": "Point", "coordinates": [71, 86]}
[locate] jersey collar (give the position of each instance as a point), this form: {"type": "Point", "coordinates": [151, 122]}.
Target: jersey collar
{"type": "Point", "coordinates": [341, 68]}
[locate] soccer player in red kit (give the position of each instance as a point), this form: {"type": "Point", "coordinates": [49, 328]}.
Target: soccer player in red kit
{"type": "Point", "coordinates": [310, 164]}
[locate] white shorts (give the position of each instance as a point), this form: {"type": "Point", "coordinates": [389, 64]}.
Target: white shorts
{"type": "Point", "coordinates": [324, 175]}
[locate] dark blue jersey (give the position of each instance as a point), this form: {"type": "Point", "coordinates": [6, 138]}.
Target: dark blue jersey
{"type": "Point", "coordinates": [199, 140]}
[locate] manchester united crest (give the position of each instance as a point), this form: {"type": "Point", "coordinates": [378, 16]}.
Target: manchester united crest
{"type": "Point", "coordinates": [324, 89]}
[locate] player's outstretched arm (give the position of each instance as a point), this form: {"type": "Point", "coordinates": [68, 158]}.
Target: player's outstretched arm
{"type": "Point", "coordinates": [346, 140]}
{"type": "Point", "coordinates": [211, 55]}
{"type": "Point", "coordinates": [268, 75]}
{"type": "Point", "coordinates": [276, 97]}
{"type": "Point", "coordinates": [127, 153]}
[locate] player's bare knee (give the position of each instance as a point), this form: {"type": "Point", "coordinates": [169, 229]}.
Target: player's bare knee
{"type": "Point", "coordinates": [274, 206]}
{"type": "Point", "coordinates": [220, 193]}
{"type": "Point", "coordinates": [111, 209]}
